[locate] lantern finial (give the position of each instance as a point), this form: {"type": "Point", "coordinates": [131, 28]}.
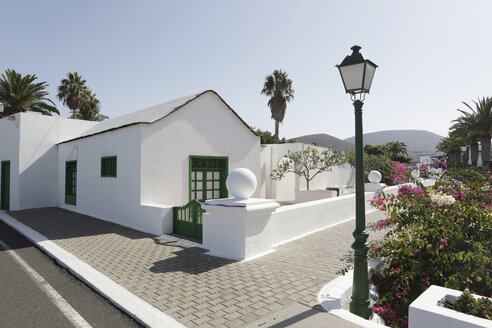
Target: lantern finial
{"type": "Point", "coordinates": [355, 50]}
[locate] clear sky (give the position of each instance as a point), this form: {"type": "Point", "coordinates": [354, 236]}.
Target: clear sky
{"type": "Point", "coordinates": [432, 55]}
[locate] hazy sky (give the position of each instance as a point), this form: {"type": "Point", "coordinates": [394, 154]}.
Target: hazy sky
{"type": "Point", "coordinates": [432, 55]}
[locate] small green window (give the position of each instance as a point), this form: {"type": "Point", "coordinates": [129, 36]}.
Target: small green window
{"type": "Point", "coordinates": [108, 167]}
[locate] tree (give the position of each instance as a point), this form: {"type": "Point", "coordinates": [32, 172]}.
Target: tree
{"type": "Point", "coordinates": [90, 109]}
{"type": "Point", "coordinates": [21, 93]}
{"type": "Point", "coordinates": [279, 88]}
{"type": "Point", "coordinates": [72, 91]}
{"type": "Point", "coordinates": [78, 97]}
{"type": "Point", "coordinates": [267, 138]}
{"type": "Point", "coordinates": [482, 125]}
{"type": "Point", "coordinates": [308, 163]}
{"type": "Point", "coordinates": [451, 145]}
{"type": "Point", "coordinates": [464, 128]}
{"type": "Point", "coordinates": [374, 149]}
{"type": "Point", "coordinates": [396, 149]}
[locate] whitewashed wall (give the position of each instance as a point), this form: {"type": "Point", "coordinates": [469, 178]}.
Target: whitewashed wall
{"type": "Point", "coordinates": [295, 221]}
{"type": "Point", "coordinates": [271, 155]}
{"type": "Point", "coordinates": [111, 199]}
{"type": "Point", "coordinates": [38, 158]}
{"type": "Point", "coordinates": [9, 151]}
{"type": "Point", "coordinates": [203, 127]}
{"type": "Point", "coordinates": [31, 148]}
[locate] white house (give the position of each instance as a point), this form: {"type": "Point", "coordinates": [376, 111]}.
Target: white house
{"type": "Point", "coordinates": [131, 169]}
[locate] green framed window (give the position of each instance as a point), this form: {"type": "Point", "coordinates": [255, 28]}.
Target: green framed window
{"type": "Point", "coordinates": [207, 177]}
{"type": "Point", "coordinates": [108, 167]}
{"type": "Point", "coordinates": [71, 182]}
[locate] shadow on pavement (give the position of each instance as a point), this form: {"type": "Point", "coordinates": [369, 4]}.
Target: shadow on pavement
{"type": "Point", "coordinates": [191, 260]}
{"type": "Point", "coordinates": [56, 223]}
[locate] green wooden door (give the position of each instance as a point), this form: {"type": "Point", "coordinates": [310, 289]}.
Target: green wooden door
{"type": "Point", "coordinates": [71, 183]}
{"type": "Point", "coordinates": [5, 186]}
{"type": "Point", "coordinates": [207, 177]}
{"type": "Point", "coordinates": [206, 181]}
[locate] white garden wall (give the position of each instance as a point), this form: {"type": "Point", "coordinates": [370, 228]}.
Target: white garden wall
{"type": "Point", "coordinates": [204, 127]}
{"type": "Point", "coordinates": [295, 221]}
{"type": "Point", "coordinates": [342, 176]}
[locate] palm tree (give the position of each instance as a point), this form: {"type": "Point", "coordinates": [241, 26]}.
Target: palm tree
{"type": "Point", "coordinates": [90, 109]}
{"type": "Point", "coordinates": [72, 91]}
{"type": "Point", "coordinates": [464, 127]}
{"type": "Point", "coordinates": [279, 88]}
{"type": "Point", "coordinates": [482, 127]}
{"type": "Point", "coordinates": [396, 149]}
{"type": "Point", "coordinates": [451, 145]}
{"type": "Point", "coordinates": [20, 93]}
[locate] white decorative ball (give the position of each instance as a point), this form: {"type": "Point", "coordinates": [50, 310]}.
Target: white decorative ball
{"type": "Point", "coordinates": [415, 174]}
{"type": "Point", "coordinates": [374, 177]}
{"type": "Point", "coordinates": [241, 183]}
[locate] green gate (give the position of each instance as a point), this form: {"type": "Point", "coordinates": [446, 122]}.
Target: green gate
{"type": "Point", "coordinates": [187, 220]}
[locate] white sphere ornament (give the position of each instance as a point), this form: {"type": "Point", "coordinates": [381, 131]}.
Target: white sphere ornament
{"type": "Point", "coordinates": [374, 177]}
{"type": "Point", "coordinates": [415, 174]}
{"type": "Point", "coordinates": [241, 183]}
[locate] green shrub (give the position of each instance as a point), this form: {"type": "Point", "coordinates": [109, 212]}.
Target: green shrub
{"type": "Point", "coordinates": [468, 304]}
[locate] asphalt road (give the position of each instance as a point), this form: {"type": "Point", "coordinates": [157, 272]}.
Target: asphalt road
{"type": "Point", "coordinates": [28, 299]}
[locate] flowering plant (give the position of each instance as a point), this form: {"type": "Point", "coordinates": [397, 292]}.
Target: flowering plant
{"type": "Point", "coordinates": [399, 172]}
{"type": "Point", "coordinates": [440, 235]}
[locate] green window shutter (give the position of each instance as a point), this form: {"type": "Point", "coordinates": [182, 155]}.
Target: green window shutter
{"type": "Point", "coordinates": [108, 167]}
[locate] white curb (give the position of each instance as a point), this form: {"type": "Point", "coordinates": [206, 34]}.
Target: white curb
{"type": "Point", "coordinates": [133, 305]}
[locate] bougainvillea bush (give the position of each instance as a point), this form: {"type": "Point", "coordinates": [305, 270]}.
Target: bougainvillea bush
{"type": "Point", "coordinates": [441, 235]}
{"type": "Point", "coordinates": [400, 173]}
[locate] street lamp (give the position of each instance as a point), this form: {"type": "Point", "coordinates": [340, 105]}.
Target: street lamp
{"type": "Point", "coordinates": [357, 74]}
{"type": "Point", "coordinates": [464, 158]}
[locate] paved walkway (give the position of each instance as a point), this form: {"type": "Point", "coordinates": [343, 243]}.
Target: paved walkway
{"type": "Point", "coordinates": [201, 290]}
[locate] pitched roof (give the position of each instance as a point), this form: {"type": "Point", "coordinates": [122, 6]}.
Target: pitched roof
{"type": "Point", "coordinates": [148, 116]}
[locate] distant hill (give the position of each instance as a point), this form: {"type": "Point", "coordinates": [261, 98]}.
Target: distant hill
{"type": "Point", "coordinates": [325, 140]}
{"type": "Point", "coordinates": [417, 141]}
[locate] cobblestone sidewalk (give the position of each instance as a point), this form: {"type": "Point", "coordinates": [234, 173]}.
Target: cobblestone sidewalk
{"type": "Point", "coordinates": [197, 289]}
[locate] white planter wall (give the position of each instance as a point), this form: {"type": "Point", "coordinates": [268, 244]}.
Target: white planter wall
{"type": "Point", "coordinates": [425, 311]}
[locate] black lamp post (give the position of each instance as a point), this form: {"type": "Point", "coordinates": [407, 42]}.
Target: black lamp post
{"type": "Point", "coordinates": [464, 155]}
{"type": "Point", "coordinates": [357, 74]}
